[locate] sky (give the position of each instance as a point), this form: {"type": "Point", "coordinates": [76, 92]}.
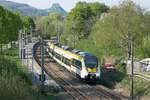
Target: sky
{"type": "Point", "coordinates": [69, 4]}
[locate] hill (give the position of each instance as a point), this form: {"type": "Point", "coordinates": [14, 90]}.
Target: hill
{"type": "Point", "coordinates": [31, 11]}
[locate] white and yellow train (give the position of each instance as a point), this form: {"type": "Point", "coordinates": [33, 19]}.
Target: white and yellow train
{"type": "Point", "coordinates": [83, 64]}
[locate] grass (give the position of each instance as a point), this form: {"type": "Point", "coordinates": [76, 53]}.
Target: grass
{"type": "Point", "coordinates": [15, 81]}
{"type": "Point", "coordinates": [13, 84]}
{"type": "Point", "coordinates": [142, 87]}
{"type": "Point", "coordinates": [119, 80]}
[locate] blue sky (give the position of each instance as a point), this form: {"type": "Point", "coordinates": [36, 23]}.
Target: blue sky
{"type": "Point", "coordinates": [69, 4]}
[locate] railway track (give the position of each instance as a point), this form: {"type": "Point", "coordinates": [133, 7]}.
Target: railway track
{"type": "Point", "coordinates": [72, 86]}
{"type": "Point", "coordinates": [145, 77]}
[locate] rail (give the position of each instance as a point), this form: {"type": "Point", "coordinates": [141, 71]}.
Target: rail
{"type": "Point", "coordinates": [90, 92]}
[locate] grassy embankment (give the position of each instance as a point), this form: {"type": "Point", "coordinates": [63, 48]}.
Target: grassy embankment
{"type": "Point", "coordinates": [15, 80]}
{"type": "Point", "coordinates": [118, 80]}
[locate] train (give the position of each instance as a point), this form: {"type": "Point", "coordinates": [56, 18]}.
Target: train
{"type": "Point", "coordinates": [84, 65]}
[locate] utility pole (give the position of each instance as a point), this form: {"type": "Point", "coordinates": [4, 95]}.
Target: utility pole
{"type": "Point", "coordinates": [19, 42]}
{"type": "Point", "coordinates": [31, 34]}
{"type": "Point", "coordinates": [27, 55]}
{"type": "Point", "coordinates": [42, 64]}
{"type": "Point", "coordinates": [22, 46]}
{"type": "Point", "coordinates": [132, 71]}
{"type": "Point", "coordinates": [26, 49]}
{"type": "Point", "coordinates": [58, 33]}
{"type": "Point", "coordinates": [32, 60]}
{"type": "Point", "coordinates": [33, 63]}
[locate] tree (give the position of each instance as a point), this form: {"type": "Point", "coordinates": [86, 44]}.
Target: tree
{"type": "Point", "coordinates": [146, 23]}
{"type": "Point", "coordinates": [2, 16]}
{"type": "Point", "coordinates": [50, 25]}
{"type": "Point", "coordinates": [28, 23]}
{"type": "Point", "coordinates": [76, 20]}
{"type": "Point", "coordinates": [98, 9]}
{"type": "Point", "coordinates": [119, 27]}
{"type": "Point", "coordinates": [10, 23]}
{"type": "Point", "coordinates": [146, 46]}
{"type": "Point", "coordinates": [15, 26]}
{"type": "Point", "coordinates": [80, 20]}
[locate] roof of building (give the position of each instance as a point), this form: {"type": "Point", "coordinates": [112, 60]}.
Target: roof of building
{"type": "Point", "coordinates": [146, 61]}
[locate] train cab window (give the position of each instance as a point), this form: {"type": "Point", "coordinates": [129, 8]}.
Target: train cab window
{"type": "Point", "coordinates": [91, 62]}
{"type": "Point", "coordinates": [76, 63]}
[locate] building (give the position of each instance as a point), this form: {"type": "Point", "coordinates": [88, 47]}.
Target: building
{"type": "Point", "coordinates": [145, 65]}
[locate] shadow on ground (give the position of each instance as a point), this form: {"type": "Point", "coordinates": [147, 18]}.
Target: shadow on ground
{"type": "Point", "coordinates": [110, 78]}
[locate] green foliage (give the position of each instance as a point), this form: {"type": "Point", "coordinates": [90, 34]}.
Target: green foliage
{"type": "Point", "coordinates": [146, 46]}
{"type": "Point", "coordinates": [50, 25]}
{"type": "Point", "coordinates": [111, 78]}
{"type": "Point", "coordinates": [89, 45]}
{"type": "Point", "coordinates": [111, 34]}
{"type": "Point", "coordinates": [80, 20]}
{"type": "Point", "coordinates": [121, 67]}
{"type": "Point", "coordinates": [11, 52]}
{"type": "Point", "coordinates": [9, 89]}
{"type": "Point", "coordinates": [98, 8]}
{"type": "Point", "coordinates": [28, 23]}
{"type": "Point", "coordinates": [13, 85]}
{"type": "Point", "coordinates": [16, 81]}
{"type": "Point", "coordinates": [146, 23]}
{"type": "Point", "coordinates": [141, 87]}
{"type": "Point", "coordinates": [10, 23]}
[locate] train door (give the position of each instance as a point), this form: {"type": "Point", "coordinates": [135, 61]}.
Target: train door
{"type": "Point", "coordinates": [76, 66]}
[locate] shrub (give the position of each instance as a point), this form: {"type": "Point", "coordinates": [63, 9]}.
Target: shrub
{"type": "Point", "coordinates": [13, 82]}
{"type": "Point", "coordinates": [121, 67]}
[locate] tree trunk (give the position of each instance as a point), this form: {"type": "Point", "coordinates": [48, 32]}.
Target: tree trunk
{"type": "Point", "coordinates": [129, 50]}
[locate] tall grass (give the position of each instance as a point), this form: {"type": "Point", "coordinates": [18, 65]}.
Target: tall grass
{"type": "Point", "coordinates": [15, 80]}
{"type": "Point", "coordinates": [13, 85]}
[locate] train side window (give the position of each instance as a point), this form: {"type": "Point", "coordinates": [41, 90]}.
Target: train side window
{"type": "Point", "coordinates": [66, 61]}
{"type": "Point", "coordinates": [76, 63]}
{"type": "Point", "coordinates": [58, 56]}
{"type": "Point", "coordinates": [50, 50]}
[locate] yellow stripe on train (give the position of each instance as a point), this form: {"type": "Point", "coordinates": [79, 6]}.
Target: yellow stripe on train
{"type": "Point", "coordinates": [92, 70]}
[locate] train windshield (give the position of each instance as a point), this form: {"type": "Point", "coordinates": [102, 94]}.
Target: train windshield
{"type": "Point", "coordinates": [91, 62]}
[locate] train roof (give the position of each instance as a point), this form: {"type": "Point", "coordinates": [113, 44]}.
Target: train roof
{"type": "Point", "coordinates": [74, 51]}
{"type": "Point", "coordinates": [86, 54]}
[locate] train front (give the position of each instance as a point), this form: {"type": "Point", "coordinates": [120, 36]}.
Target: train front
{"type": "Point", "coordinates": [91, 70]}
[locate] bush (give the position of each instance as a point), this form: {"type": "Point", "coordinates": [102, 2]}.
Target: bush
{"type": "Point", "coordinates": [13, 82]}
{"type": "Point", "coordinates": [121, 67]}
{"type": "Point", "coordinates": [14, 88]}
